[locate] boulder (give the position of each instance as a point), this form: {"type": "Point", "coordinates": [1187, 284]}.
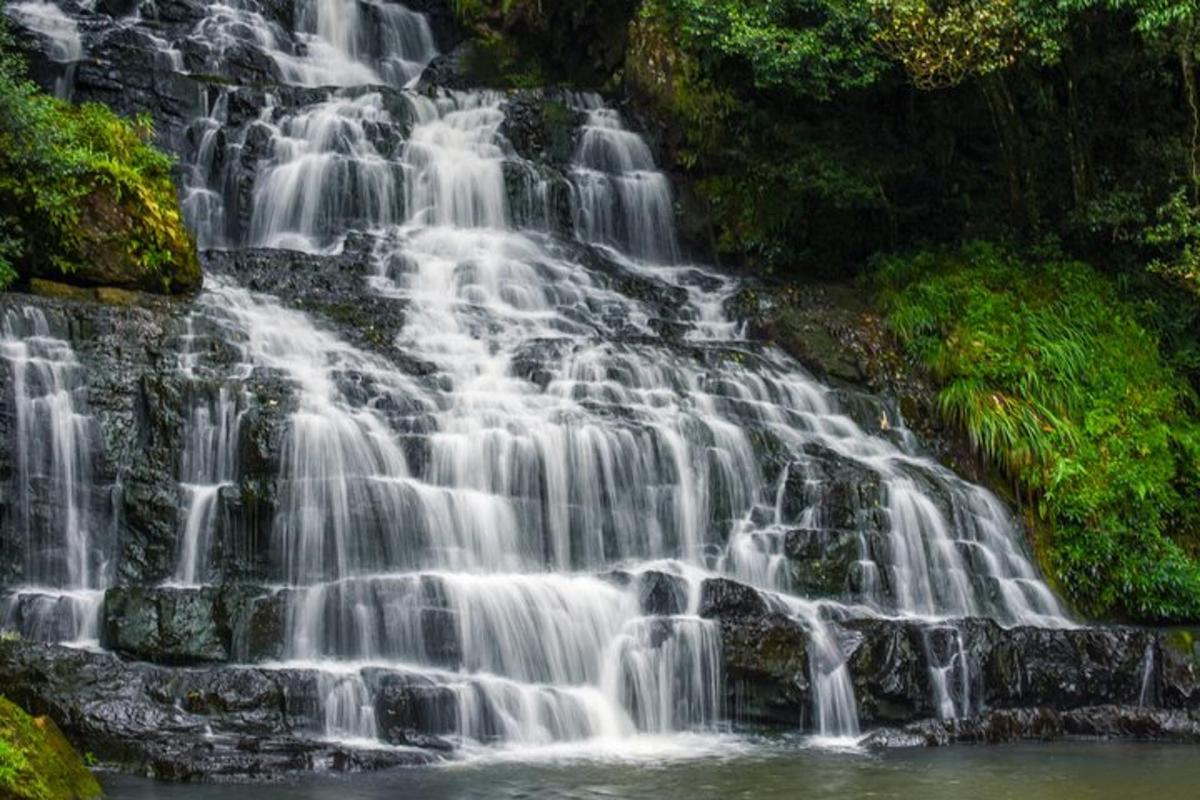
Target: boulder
{"type": "Point", "coordinates": [182, 626]}
{"type": "Point", "coordinates": [723, 598]}
{"type": "Point", "coordinates": [766, 667]}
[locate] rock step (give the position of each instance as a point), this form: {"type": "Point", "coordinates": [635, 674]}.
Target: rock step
{"type": "Point", "coordinates": [903, 670]}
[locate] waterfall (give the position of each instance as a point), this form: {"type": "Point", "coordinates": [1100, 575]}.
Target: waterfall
{"type": "Point", "coordinates": [587, 413]}
{"type": "Point", "coordinates": [395, 42]}
{"type": "Point", "coordinates": [324, 174]}
{"type": "Point", "coordinates": [622, 199]}
{"type": "Point", "coordinates": [208, 466]}
{"type": "Point", "coordinates": [949, 671]}
{"type": "Point", "coordinates": [47, 20]}
{"type": "Point", "coordinates": [52, 483]}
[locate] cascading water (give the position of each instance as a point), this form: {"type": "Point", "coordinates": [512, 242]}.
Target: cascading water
{"type": "Point", "coordinates": [208, 466]}
{"type": "Point", "coordinates": [61, 31]}
{"type": "Point", "coordinates": [63, 570]}
{"type": "Point", "coordinates": [485, 530]}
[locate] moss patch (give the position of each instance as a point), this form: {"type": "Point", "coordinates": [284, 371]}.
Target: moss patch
{"type": "Point", "coordinates": [37, 762]}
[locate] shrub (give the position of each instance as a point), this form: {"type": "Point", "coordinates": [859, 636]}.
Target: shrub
{"type": "Point", "coordinates": [1056, 381]}
{"type": "Point", "coordinates": [84, 191]}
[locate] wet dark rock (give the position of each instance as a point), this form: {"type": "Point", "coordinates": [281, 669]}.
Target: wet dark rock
{"type": "Point", "coordinates": [260, 628]}
{"type": "Point", "coordinates": [1066, 668]}
{"type": "Point", "coordinates": [890, 667]}
{"type": "Point", "coordinates": [542, 127]}
{"type": "Point", "coordinates": [1002, 668]}
{"type": "Point", "coordinates": [1004, 726]}
{"type": "Point", "coordinates": [723, 598]}
{"type": "Point", "coordinates": [181, 626]}
{"type": "Point", "coordinates": [1178, 662]}
{"type": "Point", "coordinates": [822, 562]}
{"type": "Point", "coordinates": [166, 626]}
{"type": "Point", "coordinates": [127, 359]}
{"type": "Point", "coordinates": [844, 493]}
{"type": "Point", "coordinates": [451, 69]}
{"type": "Point", "coordinates": [217, 724]}
{"type": "Point", "coordinates": [766, 668]}
{"type": "Point", "coordinates": [413, 710]}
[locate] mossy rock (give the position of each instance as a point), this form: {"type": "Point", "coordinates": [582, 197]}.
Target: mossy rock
{"type": "Point", "coordinates": [113, 238]}
{"type": "Point", "coordinates": [37, 762]}
{"type": "Point", "coordinates": [64, 291]}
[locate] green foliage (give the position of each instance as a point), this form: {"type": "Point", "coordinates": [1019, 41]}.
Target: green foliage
{"type": "Point", "coordinates": [940, 44]}
{"type": "Point", "coordinates": [730, 79]}
{"type": "Point", "coordinates": [12, 763]}
{"type": "Point", "coordinates": [10, 246]}
{"type": "Point", "coordinates": [74, 177]}
{"type": "Point", "coordinates": [807, 47]}
{"type": "Point", "coordinates": [472, 11]}
{"type": "Point", "coordinates": [497, 60]}
{"type": "Point", "coordinates": [1177, 237]}
{"type": "Point", "coordinates": [1055, 380]}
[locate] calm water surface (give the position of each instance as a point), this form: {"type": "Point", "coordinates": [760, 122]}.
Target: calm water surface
{"type": "Point", "coordinates": [730, 769]}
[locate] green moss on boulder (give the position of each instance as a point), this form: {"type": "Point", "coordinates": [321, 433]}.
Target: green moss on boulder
{"type": "Point", "coordinates": [84, 197]}
{"type": "Point", "coordinates": [37, 762]}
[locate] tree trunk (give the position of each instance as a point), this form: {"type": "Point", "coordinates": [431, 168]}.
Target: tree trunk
{"type": "Point", "coordinates": [1078, 151]}
{"type": "Point", "coordinates": [1010, 135]}
{"type": "Point", "coordinates": [1187, 63]}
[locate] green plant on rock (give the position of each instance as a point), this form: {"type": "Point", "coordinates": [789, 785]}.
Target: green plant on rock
{"type": "Point", "coordinates": [85, 193]}
{"type": "Point", "coordinates": [1055, 380]}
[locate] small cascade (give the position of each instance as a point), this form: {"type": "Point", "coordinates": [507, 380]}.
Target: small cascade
{"type": "Point", "coordinates": [335, 43]}
{"type": "Point", "coordinates": [1146, 698]}
{"type": "Point", "coordinates": [208, 467]}
{"type": "Point", "coordinates": [205, 183]}
{"type": "Point", "coordinates": [63, 568]}
{"type": "Point", "coordinates": [344, 489]}
{"type": "Point", "coordinates": [393, 42]}
{"type": "Point", "coordinates": [349, 709]}
{"type": "Point", "coordinates": [667, 673]}
{"type": "Point", "coordinates": [47, 20]}
{"type": "Point", "coordinates": [949, 671]}
{"type": "Point", "coordinates": [454, 162]}
{"type": "Point", "coordinates": [621, 198]}
{"type": "Point", "coordinates": [325, 175]}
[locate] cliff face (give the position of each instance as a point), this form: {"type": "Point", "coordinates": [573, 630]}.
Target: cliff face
{"type": "Point", "coordinates": [455, 430]}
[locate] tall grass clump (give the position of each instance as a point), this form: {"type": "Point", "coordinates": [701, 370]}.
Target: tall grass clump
{"type": "Point", "coordinates": [1056, 382]}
